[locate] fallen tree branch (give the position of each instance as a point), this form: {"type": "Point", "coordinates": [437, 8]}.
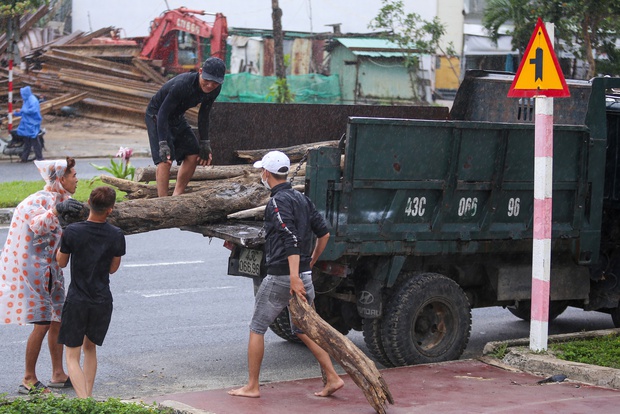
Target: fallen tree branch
{"type": "Point", "coordinates": [136, 190]}
{"type": "Point", "coordinates": [201, 207]}
{"type": "Point", "coordinates": [359, 367]}
{"type": "Point", "coordinates": [295, 153]}
{"type": "Point", "coordinates": [257, 213]}
{"type": "Point", "coordinates": [213, 172]}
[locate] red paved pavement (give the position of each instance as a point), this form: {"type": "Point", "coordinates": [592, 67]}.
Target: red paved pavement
{"type": "Point", "coordinates": [468, 386]}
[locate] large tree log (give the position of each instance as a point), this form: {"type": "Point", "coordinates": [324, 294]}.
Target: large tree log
{"type": "Point", "coordinates": [361, 369]}
{"type": "Point", "coordinates": [295, 153]}
{"type": "Point", "coordinates": [136, 190]}
{"type": "Point", "coordinates": [138, 216]}
{"type": "Point", "coordinates": [213, 172]}
{"type": "Point", "coordinates": [217, 172]}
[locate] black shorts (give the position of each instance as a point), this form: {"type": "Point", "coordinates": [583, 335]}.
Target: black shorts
{"type": "Point", "coordinates": [184, 141]}
{"type": "Point", "coordinates": [81, 319]}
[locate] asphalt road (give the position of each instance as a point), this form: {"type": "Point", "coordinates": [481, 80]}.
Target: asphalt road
{"type": "Point", "coordinates": [181, 324]}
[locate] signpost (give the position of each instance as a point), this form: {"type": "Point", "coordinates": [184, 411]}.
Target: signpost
{"type": "Point", "coordinates": [540, 77]}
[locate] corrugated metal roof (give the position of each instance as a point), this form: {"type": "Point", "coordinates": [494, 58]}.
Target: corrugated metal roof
{"type": "Point", "coordinates": [372, 47]}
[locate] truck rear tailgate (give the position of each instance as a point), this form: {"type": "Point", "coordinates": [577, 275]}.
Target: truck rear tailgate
{"type": "Point", "coordinates": [246, 234]}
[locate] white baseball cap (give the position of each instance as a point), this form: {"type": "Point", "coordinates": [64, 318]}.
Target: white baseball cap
{"type": "Point", "coordinates": [276, 162]}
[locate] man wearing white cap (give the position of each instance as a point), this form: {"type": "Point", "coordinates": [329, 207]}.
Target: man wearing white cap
{"type": "Point", "coordinates": [291, 220]}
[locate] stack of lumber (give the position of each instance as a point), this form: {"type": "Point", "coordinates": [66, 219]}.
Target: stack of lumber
{"type": "Point", "coordinates": [112, 82]}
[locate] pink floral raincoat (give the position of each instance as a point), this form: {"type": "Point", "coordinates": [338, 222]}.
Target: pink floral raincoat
{"type": "Point", "coordinates": [32, 287]}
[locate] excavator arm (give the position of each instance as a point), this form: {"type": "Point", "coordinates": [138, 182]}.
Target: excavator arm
{"type": "Point", "coordinates": [185, 20]}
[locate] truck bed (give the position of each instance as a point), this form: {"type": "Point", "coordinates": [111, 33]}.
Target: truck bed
{"type": "Point", "coordinates": [242, 233]}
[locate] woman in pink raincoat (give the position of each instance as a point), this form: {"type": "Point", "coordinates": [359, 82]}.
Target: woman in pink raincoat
{"type": "Point", "coordinates": [32, 287]}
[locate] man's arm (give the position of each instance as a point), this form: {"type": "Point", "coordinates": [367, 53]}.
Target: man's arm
{"type": "Point", "coordinates": [204, 111]}
{"type": "Point", "coordinates": [297, 285]}
{"type": "Point", "coordinates": [163, 117]}
{"type": "Point", "coordinates": [62, 258]}
{"type": "Point", "coordinates": [116, 263]}
{"type": "Point", "coordinates": [205, 156]}
{"type": "Point", "coordinates": [321, 242]}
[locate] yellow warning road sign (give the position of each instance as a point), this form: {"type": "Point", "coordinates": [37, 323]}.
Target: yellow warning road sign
{"type": "Point", "coordinates": [539, 73]}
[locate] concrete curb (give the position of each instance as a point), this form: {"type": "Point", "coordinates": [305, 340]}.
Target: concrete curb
{"type": "Point", "coordinates": [181, 408]}
{"type": "Point", "coordinates": [177, 407]}
{"type": "Point", "coordinates": [519, 356]}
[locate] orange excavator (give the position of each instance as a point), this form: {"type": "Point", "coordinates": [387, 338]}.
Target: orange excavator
{"type": "Point", "coordinates": [179, 41]}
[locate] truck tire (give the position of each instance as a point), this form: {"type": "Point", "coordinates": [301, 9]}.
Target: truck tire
{"type": "Point", "coordinates": [282, 327]}
{"type": "Point", "coordinates": [372, 338]}
{"type": "Point", "coordinates": [524, 310]}
{"type": "Point", "coordinates": [427, 319]}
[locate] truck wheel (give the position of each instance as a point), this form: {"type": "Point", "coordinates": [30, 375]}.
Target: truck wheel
{"type": "Point", "coordinates": [282, 327]}
{"type": "Point", "coordinates": [524, 310]}
{"type": "Point", "coordinates": [427, 319]}
{"type": "Point", "coordinates": [372, 338]}
{"type": "Point", "coordinates": [331, 310]}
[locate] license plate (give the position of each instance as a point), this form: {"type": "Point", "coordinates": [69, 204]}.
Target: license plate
{"type": "Point", "coordinates": [249, 262]}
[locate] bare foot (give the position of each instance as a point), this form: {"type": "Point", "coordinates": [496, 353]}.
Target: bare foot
{"type": "Point", "coordinates": [330, 388]}
{"type": "Point", "coordinates": [244, 392]}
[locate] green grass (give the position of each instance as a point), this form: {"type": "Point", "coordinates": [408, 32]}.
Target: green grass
{"type": "Point", "coordinates": [603, 351]}
{"type": "Point", "coordinates": [501, 351]}
{"type": "Point", "coordinates": [13, 192]}
{"type": "Point", "coordinates": [53, 404]}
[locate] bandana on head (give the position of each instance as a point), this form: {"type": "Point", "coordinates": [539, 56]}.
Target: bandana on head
{"type": "Point", "coordinates": [52, 171]}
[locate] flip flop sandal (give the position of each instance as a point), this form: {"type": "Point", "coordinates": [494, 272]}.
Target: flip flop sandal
{"type": "Point", "coordinates": [66, 384]}
{"type": "Point", "coordinates": [38, 387]}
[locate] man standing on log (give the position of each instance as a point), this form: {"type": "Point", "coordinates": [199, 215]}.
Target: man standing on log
{"type": "Point", "coordinates": [291, 220]}
{"type": "Point", "coordinates": [170, 135]}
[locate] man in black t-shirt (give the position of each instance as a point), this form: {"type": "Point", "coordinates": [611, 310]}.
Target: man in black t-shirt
{"type": "Point", "coordinates": [95, 248]}
{"type": "Point", "coordinates": [170, 135]}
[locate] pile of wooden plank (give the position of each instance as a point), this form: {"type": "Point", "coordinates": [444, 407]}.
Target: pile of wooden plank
{"type": "Point", "coordinates": [112, 82]}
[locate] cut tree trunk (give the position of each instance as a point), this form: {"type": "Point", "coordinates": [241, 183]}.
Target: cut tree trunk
{"type": "Point", "coordinates": [359, 367]}
{"type": "Point", "coordinates": [202, 207]}
{"type": "Point", "coordinates": [136, 190]}
{"type": "Point", "coordinates": [214, 172]}
{"type": "Point", "coordinates": [295, 153]}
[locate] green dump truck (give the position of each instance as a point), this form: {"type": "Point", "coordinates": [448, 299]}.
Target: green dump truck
{"type": "Point", "coordinates": [430, 218]}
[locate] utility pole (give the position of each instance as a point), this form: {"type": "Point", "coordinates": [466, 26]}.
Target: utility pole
{"type": "Point", "coordinates": [12, 36]}
{"type": "Point", "coordinates": [278, 42]}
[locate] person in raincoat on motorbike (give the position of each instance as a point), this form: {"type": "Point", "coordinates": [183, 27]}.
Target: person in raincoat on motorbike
{"type": "Point", "coordinates": [29, 125]}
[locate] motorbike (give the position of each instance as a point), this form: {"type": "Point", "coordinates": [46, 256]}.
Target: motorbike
{"type": "Point", "coordinates": [15, 145]}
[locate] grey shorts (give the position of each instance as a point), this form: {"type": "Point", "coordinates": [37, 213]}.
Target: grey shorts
{"type": "Point", "coordinates": [272, 297]}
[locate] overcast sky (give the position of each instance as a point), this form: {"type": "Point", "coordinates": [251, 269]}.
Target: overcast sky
{"type": "Point", "coordinates": [134, 16]}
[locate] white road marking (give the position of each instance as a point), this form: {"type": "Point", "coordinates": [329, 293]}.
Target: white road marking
{"type": "Point", "coordinates": [170, 292]}
{"type": "Point", "coordinates": [162, 264]}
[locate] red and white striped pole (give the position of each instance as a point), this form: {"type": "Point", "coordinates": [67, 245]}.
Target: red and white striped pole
{"type": "Point", "coordinates": [543, 207]}
{"type": "Point", "coordinates": [10, 120]}
{"type": "Point", "coordinates": [11, 51]}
